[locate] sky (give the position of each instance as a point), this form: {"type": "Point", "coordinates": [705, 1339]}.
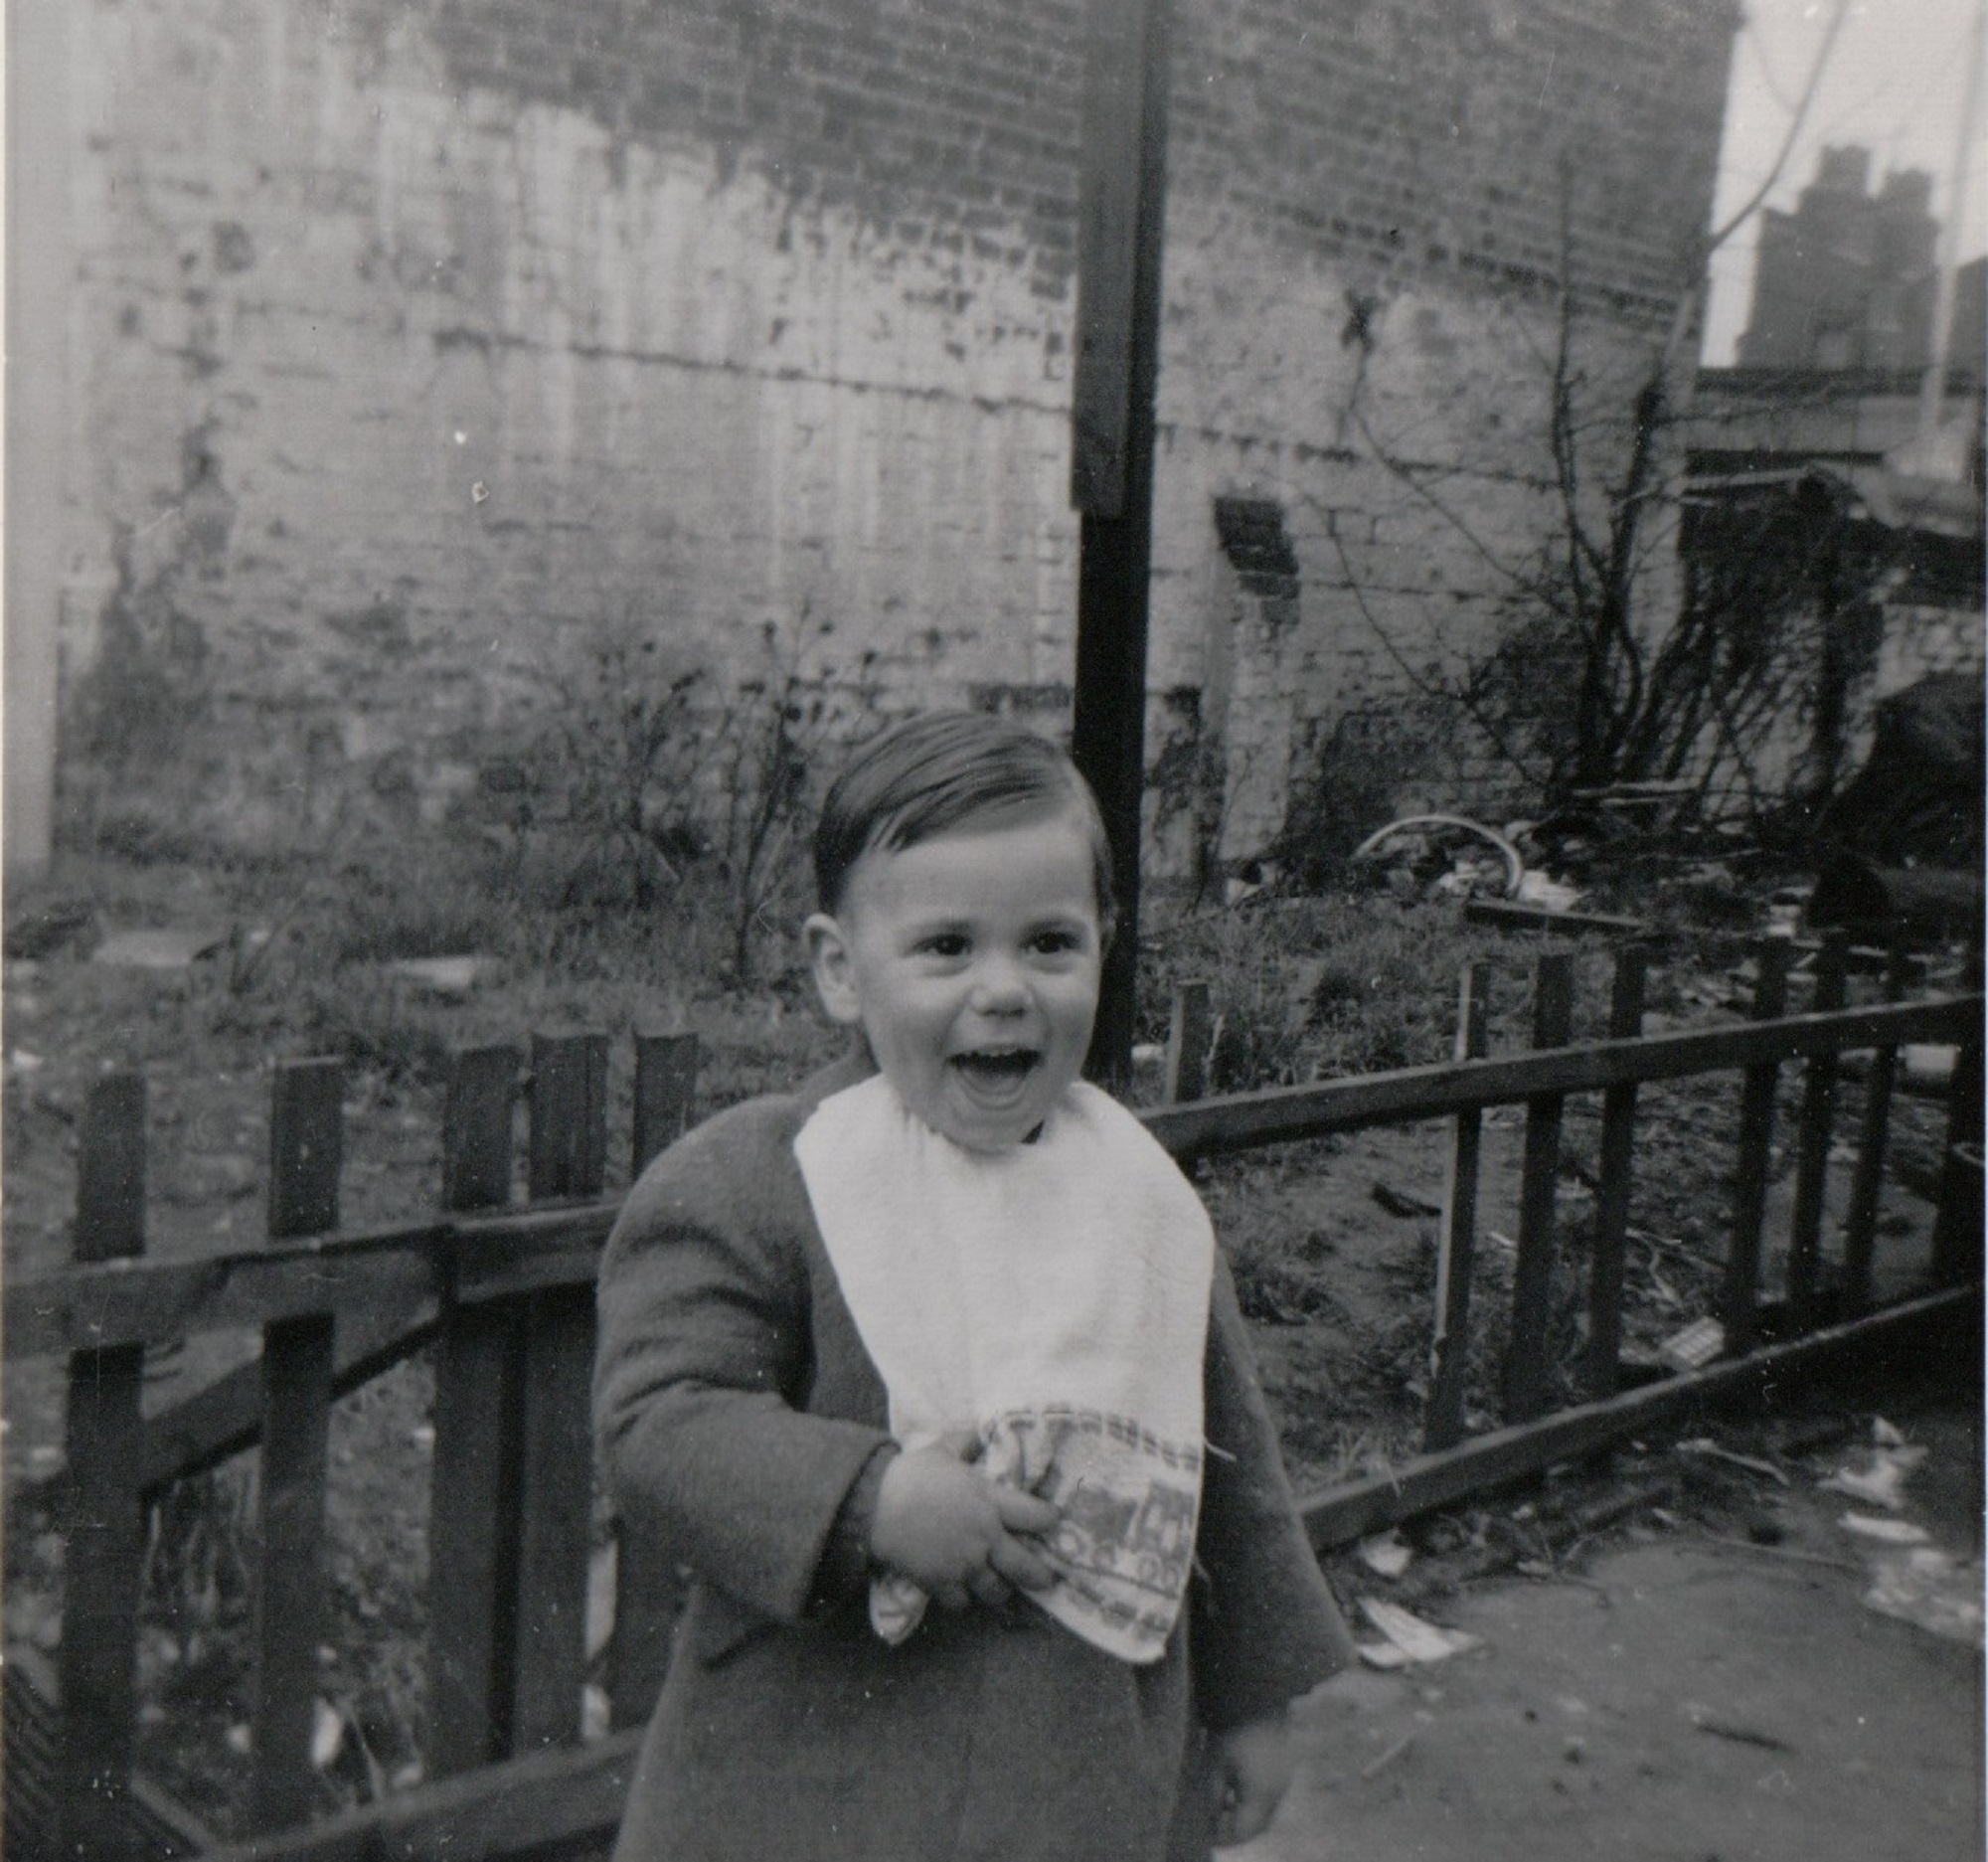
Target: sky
{"type": "Point", "coordinates": [1894, 82]}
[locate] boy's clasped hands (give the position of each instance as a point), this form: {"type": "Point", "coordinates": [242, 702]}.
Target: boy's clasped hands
{"type": "Point", "coordinates": [956, 1534]}
{"type": "Point", "coordinates": [965, 1539]}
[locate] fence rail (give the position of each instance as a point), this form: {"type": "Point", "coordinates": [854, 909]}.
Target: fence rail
{"type": "Point", "coordinates": [504, 1295]}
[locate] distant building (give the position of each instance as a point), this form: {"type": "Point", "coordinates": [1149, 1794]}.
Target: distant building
{"type": "Point", "coordinates": [1849, 279]}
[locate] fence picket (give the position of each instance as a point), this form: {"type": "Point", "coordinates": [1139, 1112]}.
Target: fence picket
{"type": "Point", "coordinates": [648, 1589]}
{"type": "Point", "coordinates": [1615, 1181]}
{"type": "Point", "coordinates": [472, 1543]}
{"type": "Point", "coordinates": [1528, 1369]}
{"type": "Point", "coordinates": [1188, 1036]}
{"type": "Point", "coordinates": [306, 1150]}
{"type": "Point", "coordinates": [664, 1095]}
{"type": "Point", "coordinates": [1450, 1347]}
{"type": "Point", "coordinates": [1817, 1128]}
{"type": "Point", "coordinates": [568, 1143]}
{"type": "Point", "coordinates": [1859, 1225]}
{"type": "Point", "coordinates": [105, 1537]}
{"type": "Point", "coordinates": [1741, 1292]}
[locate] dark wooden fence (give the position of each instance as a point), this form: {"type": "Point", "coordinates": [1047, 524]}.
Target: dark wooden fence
{"type": "Point", "coordinates": [504, 1295]}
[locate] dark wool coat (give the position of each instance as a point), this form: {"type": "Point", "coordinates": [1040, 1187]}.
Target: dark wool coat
{"type": "Point", "coordinates": [737, 1409]}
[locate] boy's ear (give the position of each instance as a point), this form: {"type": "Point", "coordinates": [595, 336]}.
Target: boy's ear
{"type": "Point", "coordinates": [834, 971]}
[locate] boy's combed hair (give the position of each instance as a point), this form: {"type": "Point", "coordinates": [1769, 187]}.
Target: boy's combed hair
{"type": "Point", "coordinates": [943, 770]}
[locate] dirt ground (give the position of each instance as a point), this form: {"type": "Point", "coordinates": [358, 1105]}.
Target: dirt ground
{"type": "Point", "coordinates": [1688, 1695]}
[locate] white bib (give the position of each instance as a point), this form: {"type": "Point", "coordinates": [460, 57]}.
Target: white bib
{"type": "Point", "coordinates": [1041, 1310]}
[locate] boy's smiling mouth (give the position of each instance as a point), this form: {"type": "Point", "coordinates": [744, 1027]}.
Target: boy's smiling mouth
{"type": "Point", "coordinates": [997, 1070]}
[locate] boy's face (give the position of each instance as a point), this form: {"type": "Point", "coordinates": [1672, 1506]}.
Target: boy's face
{"type": "Point", "coordinates": [970, 961]}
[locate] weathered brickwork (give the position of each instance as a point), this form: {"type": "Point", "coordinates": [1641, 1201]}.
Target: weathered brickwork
{"type": "Point", "coordinates": [415, 342]}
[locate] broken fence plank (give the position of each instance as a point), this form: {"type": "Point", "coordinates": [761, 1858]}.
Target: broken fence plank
{"type": "Point", "coordinates": [104, 1517]}
{"type": "Point", "coordinates": [1860, 1226]}
{"type": "Point", "coordinates": [306, 1148]}
{"type": "Point", "coordinates": [1813, 1134]}
{"type": "Point", "coordinates": [665, 1096]}
{"type": "Point", "coordinates": [1527, 1362]}
{"type": "Point", "coordinates": [1616, 1181]}
{"type": "Point", "coordinates": [472, 1509]}
{"type": "Point", "coordinates": [1741, 1290]}
{"type": "Point", "coordinates": [1449, 1345]}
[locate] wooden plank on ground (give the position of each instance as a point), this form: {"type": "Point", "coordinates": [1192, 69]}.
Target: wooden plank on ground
{"type": "Point", "coordinates": [664, 1095]}
{"type": "Point", "coordinates": [306, 1149]}
{"type": "Point", "coordinates": [1528, 1360]}
{"type": "Point", "coordinates": [1752, 1155]}
{"type": "Point", "coordinates": [1859, 1225]}
{"type": "Point", "coordinates": [105, 1540]}
{"type": "Point", "coordinates": [550, 1803]}
{"type": "Point", "coordinates": [1892, 1340]}
{"type": "Point", "coordinates": [1616, 1183]}
{"type": "Point", "coordinates": [473, 1501]}
{"type": "Point", "coordinates": [1516, 914]}
{"type": "Point", "coordinates": [1449, 1347]}
{"type": "Point", "coordinates": [1814, 1135]}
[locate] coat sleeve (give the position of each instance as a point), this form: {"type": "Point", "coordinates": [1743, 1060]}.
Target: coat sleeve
{"type": "Point", "coordinates": [1264, 1627]}
{"type": "Point", "coordinates": [704, 1361]}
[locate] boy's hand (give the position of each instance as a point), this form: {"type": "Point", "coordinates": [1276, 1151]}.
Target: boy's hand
{"type": "Point", "coordinates": [955, 1533]}
{"type": "Point", "coordinates": [1251, 1771]}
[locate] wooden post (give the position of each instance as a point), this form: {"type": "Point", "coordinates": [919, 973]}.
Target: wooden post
{"type": "Point", "coordinates": [306, 1148]}
{"type": "Point", "coordinates": [105, 1537]}
{"type": "Point", "coordinates": [568, 1143]}
{"type": "Point", "coordinates": [1753, 1153]}
{"type": "Point", "coordinates": [1449, 1347]}
{"type": "Point", "coordinates": [664, 1095]}
{"type": "Point", "coordinates": [1817, 1128]}
{"type": "Point", "coordinates": [1617, 1173]}
{"type": "Point", "coordinates": [648, 1589]}
{"type": "Point", "coordinates": [473, 1505]}
{"type": "Point", "coordinates": [1121, 212]}
{"type": "Point", "coordinates": [1188, 1037]}
{"type": "Point", "coordinates": [1528, 1371]}
{"type": "Point", "coordinates": [1860, 1226]}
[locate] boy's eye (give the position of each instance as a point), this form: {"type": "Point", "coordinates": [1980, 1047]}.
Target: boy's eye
{"type": "Point", "coordinates": [1057, 941]}
{"type": "Point", "coordinates": [945, 945]}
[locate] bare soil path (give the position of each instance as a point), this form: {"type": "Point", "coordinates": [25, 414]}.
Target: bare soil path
{"type": "Point", "coordinates": [1683, 1699]}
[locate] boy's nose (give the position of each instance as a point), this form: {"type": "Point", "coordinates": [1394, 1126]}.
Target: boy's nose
{"type": "Point", "coordinates": [999, 990]}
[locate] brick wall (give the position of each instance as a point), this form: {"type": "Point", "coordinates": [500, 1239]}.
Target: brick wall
{"type": "Point", "coordinates": [417, 345]}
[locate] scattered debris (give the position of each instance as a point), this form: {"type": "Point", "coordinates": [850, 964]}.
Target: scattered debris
{"type": "Point", "coordinates": [157, 949]}
{"type": "Point", "coordinates": [1890, 1531]}
{"type": "Point", "coordinates": [1881, 1481]}
{"type": "Point", "coordinates": [1540, 889]}
{"type": "Point", "coordinates": [1783, 1550]}
{"type": "Point", "coordinates": [1386, 1554]}
{"type": "Point", "coordinates": [1706, 1721]}
{"type": "Point", "coordinates": [1703, 1445]}
{"type": "Point", "coordinates": [450, 978]}
{"type": "Point", "coordinates": [1403, 1202]}
{"type": "Point", "coordinates": [1375, 1766]}
{"type": "Point", "coordinates": [1927, 1588]}
{"type": "Point", "coordinates": [327, 1735]}
{"type": "Point", "coordinates": [1412, 1639]}
{"type": "Point", "coordinates": [1694, 1347]}
{"type": "Point", "coordinates": [1928, 1063]}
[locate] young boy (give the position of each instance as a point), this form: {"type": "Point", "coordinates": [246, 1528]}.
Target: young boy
{"type": "Point", "coordinates": [947, 1327]}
